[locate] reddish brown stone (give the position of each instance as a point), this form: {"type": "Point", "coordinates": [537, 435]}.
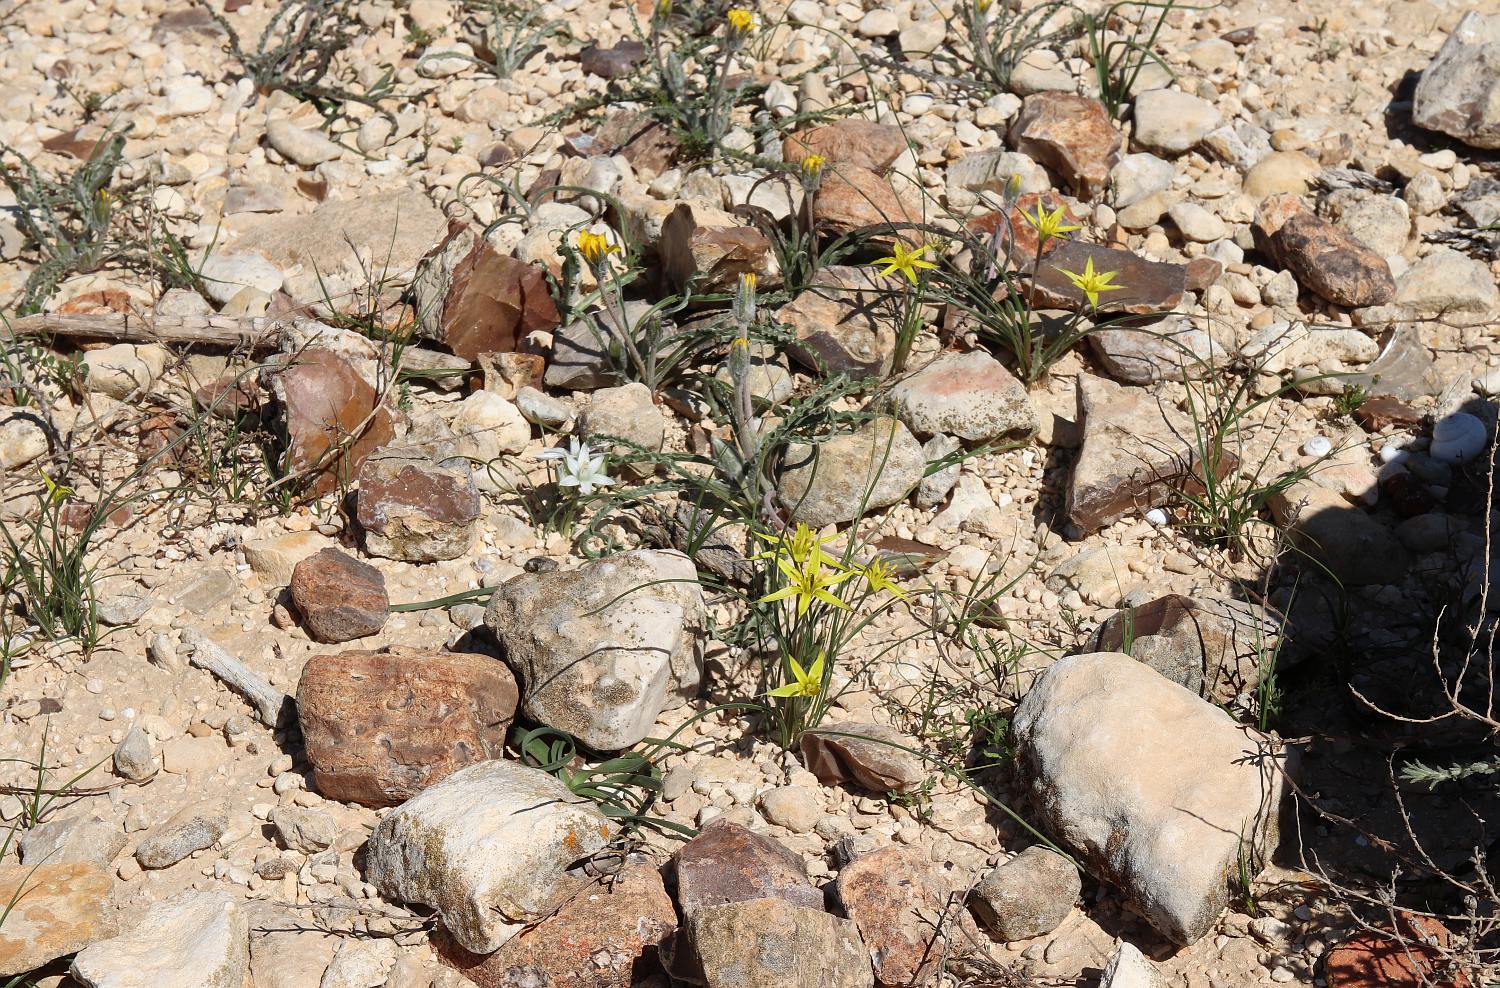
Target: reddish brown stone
{"type": "Point", "coordinates": [108, 301]}
{"type": "Point", "coordinates": [382, 726]}
{"type": "Point", "coordinates": [1072, 135]}
{"type": "Point", "coordinates": [853, 198]}
{"type": "Point", "coordinates": [712, 258]}
{"type": "Point", "coordinates": [614, 61]}
{"type": "Point", "coordinates": [1202, 272]}
{"type": "Point", "coordinates": [843, 323]}
{"type": "Point", "coordinates": [339, 597]}
{"type": "Point", "coordinates": [648, 145]}
{"type": "Point", "coordinates": [72, 144]}
{"type": "Point", "coordinates": [507, 373]}
{"type": "Point", "coordinates": [228, 396]}
{"type": "Point", "coordinates": [1146, 286]}
{"type": "Point", "coordinates": [869, 756]}
{"type": "Point", "coordinates": [478, 300]}
{"type": "Point", "coordinates": [908, 914]}
{"type": "Point", "coordinates": [1018, 237]}
{"type": "Point", "coordinates": [847, 142]}
{"type": "Point", "coordinates": [415, 508]}
{"type": "Point", "coordinates": [1322, 257]}
{"type": "Point", "coordinates": [1377, 413]}
{"type": "Point", "coordinates": [728, 863]}
{"type": "Point", "coordinates": [605, 936]}
{"type": "Point", "coordinates": [330, 418]}
{"type": "Point", "coordinates": [1384, 960]}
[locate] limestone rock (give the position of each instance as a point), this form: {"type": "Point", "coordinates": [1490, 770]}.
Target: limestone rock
{"type": "Point", "coordinates": [486, 847]}
{"type": "Point", "coordinates": [64, 909]}
{"type": "Point", "coordinates": [133, 757]}
{"type": "Point", "coordinates": [1171, 122]}
{"type": "Point", "coordinates": [1028, 896]}
{"type": "Point", "coordinates": [1280, 173]}
{"type": "Point", "coordinates": [69, 840]}
{"type": "Point", "coordinates": [1459, 92]}
{"type": "Point", "coordinates": [304, 829]}
{"type": "Point", "coordinates": [304, 147]}
{"type": "Point", "coordinates": [189, 830]}
{"type": "Point", "coordinates": [1161, 793]}
{"type": "Point", "coordinates": [626, 412]}
{"type": "Point", "coordinates": [1450, 286]}
{"type": "Point", "coordinates": [1171, 349]}
{"type": "Point", "coordinates": [844, 477]}
{"type": "Point", "coordinates": [22, 439]}
{"type": "Point", "coordinates": [986, 175]}
{"type": "Point", "coordinates": [968, 395]}
{"type": "Point", "coordinates": [842, 323]}
{"type": "Point", "coordinates": [1357, 550]}
{"type": "Point", "coordinates": [771, 943]}
{"type": "Point", "coordinates": [379, 727]}
{"type": "Point", "coordinates": [273, 558]}
{"type": "Point", "coordinates": [1136, 451]}
{"type": "Point", "coordinates": [194, 940]}
{"type": "Point", "coordinates": [1072, 135]}
{"type": "Point", "coordinates": [602, 650]}
{"type": "Point", "coordinates": [339, 597]}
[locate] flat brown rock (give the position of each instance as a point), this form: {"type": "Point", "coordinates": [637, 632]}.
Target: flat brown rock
{"type": "Point", "coordinates": [605, 936]}
{"type": "Point", "coordinates": [1137, 450]}
{"type": "Point", "coordinates": [1014, 237]}
{"type": "Point", "coordinates": [1072, 135]}
{"type": "Point", "coordinates": [844, 324]}
{"type": "Point", "coordinates": [415, 507]}
{"type": "Point", "coordinates": [712, 258]}
{"type": "Point", "coordinates": [382, 726]}
{"type": "Point", "coordinates": [330, 418]}
{"type": "Point", "coordinates": [339, 597]}
{"type": "Point", "coordinates": [728, 863]}
{"type": "Point", "coordinates": [847, 142]}
{"type": "Point", "coordinates": [1145, 286]}
{"type": "Point", "coordinates": [867, 755]}
{"type": "Point", "coordinates": [61, 909]}
{"type": "Point", "coordinates": [1321, 256]}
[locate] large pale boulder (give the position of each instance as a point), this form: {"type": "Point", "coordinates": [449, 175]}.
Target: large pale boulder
{"type": "Point", "coordinates": [847, 476]}
{"type": "Point", "coordinates": [1459, 92]}
{"type": "Point", "coordinates": [486, 848]}
{"type": "Point", "coordinates": [601, 650]}
{"type": "Point", "coordinates": [1157, 791]}
{"type": "Point", "coordinates": [194, 940]}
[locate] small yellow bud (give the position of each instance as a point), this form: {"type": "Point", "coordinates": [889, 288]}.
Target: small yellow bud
{"type": "Point", "coordinates": [813, 164]}
{"type": "Point", "coordinates": [595, 247]}
{"type": "Point", "coordinates": [741, 21]}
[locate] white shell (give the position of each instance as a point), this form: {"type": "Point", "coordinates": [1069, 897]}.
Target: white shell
{"type": "Point", "coordinates": [1458, 438]}
{"type": "Point", "coordinates": [1318, 446]}
{"type": "Point", "coordinates": [1156, 516]}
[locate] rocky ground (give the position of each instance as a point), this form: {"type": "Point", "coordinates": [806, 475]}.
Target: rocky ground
{"type": "Point", "coordinates": [289, 356]}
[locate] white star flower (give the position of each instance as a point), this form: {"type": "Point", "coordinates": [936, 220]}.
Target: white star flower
{"type": "Point", "coordinates": [581, 467]}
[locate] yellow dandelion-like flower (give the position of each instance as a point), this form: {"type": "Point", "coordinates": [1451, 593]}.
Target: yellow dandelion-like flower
{"type": "Point", "coordinates": [906, 260]}
{"type": "Point", "coordinates": [813, 164]}
{"type": "Point", "coordinates": [595, 247]}
{"type": "Point", "coordinates": [1092, 282]}
{"type": "Point", "coordinates": [741, 21]}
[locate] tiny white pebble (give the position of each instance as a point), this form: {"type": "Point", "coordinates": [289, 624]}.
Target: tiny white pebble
{"type": "Point", "coordinates": [94, 685]}
{"type": "Point", "coordinates": [107, 714]}
{"type": "Point", "coordinates": [1391, 453]}
{"type": "Point", "coordinates": [1318, 446]}
{"type": "Point", "coordinates": [1156, 516]}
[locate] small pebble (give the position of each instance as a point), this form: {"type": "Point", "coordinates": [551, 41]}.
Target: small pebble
{"type": "Point", "coordinates": [1318, 446]}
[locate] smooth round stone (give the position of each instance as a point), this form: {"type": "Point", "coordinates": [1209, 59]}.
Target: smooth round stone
{"type": "Point", "coordinates": [1458, 438]}
{"type": "Point", "coordinates": [1317, 446]}
{"type": "Point", "coordinates": [1156, 516]}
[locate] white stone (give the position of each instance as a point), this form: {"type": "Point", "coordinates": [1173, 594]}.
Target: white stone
{"type": "Point", "coordinates": [187, 96]}
{"type": "Point", "coordinates": [486, 847]}
{"type": "Point", "coordinates": [1129, 968]}
{"type": "Point", "coordinates": [195, 940]}
{"type": "Point", "coordinates": [445, 58]}
{"type": "Point", "coordinates": [1170, 122]}
{"type": "Point", "coordinates": [304, 147]}
{"type": "Point", "coordinates": [226, 275]}
{"type": "Point", "coordinates": [1197, 223]}
{"type": "Point", "coordinates": [360, 964]}
{"type": "Point", "coordinates": [22, 439]}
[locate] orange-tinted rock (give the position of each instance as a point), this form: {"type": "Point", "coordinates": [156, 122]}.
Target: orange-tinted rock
{"type": "Point", "coordinates": [1146, 286]}
{"type": "Point", "coordinates": [605, 936]}
{"type": "Point", "coordinates": [339, 597]}
{"type": "Point", "coordinates": [844, 323]}
{"type": "Point", "coordinates": [1072, 135]}
{"type": "Point", "coordinates": [1322, 257]}
{"type": "Point", "coordinates": [847, 142]}
{"type": "Point", "coordinates": [327, 413]}
{"type": "Point", "coordinates": [1377, 413]}
{"type": "Point", "coordinates": [901, 901]}
{"type": "Point", "coordinates": [1203, 272]}
{"type": "Point", "coordinates": [60, 909]}
{"type": "Point", "coordinates": [382, 726]}
{"type": "Point", "coordinates": [853, 198]}
{"type": "Point", "coordinates": [1384, 960]}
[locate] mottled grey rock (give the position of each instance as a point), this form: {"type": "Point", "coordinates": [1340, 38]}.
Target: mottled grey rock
{"type": "Point", "coordinates": [1169, 122]}
{"type": "Point", "coordinates": [68, 840]}
{"type": "Point", "coordinates": [134, 759]}
{"type": "Point", "coordinates": [770, 943]}
{"type": "Point", "coordinates": [191, 829]}
{"type": "Point", "coordinates": [627, 412]}
{"type": "Point", "coordinates": [849, 475]}
{"type": "Point", "coordinates": [1027, 896]}
{"type": "Point", "coordinates": [602, 650]}
{"type": "Point", "coordinates": [1459, 92]}
{"type": "Point", "coordinates": [304, 829]}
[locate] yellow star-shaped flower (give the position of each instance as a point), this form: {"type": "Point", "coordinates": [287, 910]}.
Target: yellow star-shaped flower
{"type": "Point", "coordinates": [813, 164]}
{"type": "Point", "coordinates": [805, 682]}
{"type": "Point", "coordinates": [880, 575]}
{"type": "Point", "coordinates": [808, 582]}
{"type": "Point", "coordinates": [906, 260]}
{"type": "Point", "coordinates": [1092, 282]}
{"type": "Point", "coordinates": [1049, 225]}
